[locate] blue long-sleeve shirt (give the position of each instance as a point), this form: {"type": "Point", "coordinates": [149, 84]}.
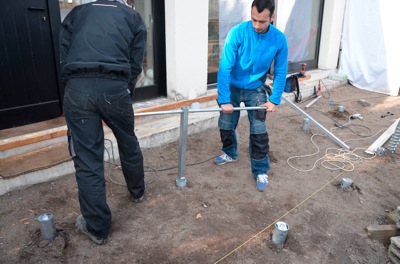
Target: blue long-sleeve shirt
{"type": "Point", "coordinates": [247, 57]}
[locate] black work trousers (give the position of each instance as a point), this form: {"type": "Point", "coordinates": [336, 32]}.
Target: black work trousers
{"type": "Point", "coordinates": [88, 101]}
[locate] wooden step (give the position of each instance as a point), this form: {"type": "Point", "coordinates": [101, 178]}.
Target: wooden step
{"type": "Point", "coordinates": [35, 160]}
{"type": "Point", "coordinates": [55, 128]}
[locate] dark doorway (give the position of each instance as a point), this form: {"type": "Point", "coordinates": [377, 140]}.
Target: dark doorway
{"type": "Point", "coordinates": [29, 87]}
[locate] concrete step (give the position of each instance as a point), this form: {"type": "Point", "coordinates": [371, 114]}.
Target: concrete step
{"type": "Point", "coordinates": [394, 250]}
{"type": "Point", "coordinates": [152, 131]}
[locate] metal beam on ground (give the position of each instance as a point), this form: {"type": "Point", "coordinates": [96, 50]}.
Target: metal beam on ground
{"type": "Point", "coordinates": [322, 128]}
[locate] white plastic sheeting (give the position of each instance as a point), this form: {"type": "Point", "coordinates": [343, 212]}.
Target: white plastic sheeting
{"type": "Point", "coordinates": [370, 54]}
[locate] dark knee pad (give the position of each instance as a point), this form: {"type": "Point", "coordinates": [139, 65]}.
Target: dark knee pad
{"type": "Point", "coordinates": [226, 138]}
{"type": "Point", "coordinates": [259, 145]}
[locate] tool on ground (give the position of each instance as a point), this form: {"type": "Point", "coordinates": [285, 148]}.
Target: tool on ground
{"type": "Point", "coordinates": [292, 86]}
{"type": "Point", "coordinates": [346, 182]}
{"type": "Point", "coordinates": [316, 94]}
{"type": "Point", "coordinates": [356, 116]}
{"type": "Point", "coordinates": [313, 101]}
{"type": "Point", "coordinates": [319, 93]}
{"type": "Point", "coordinates": [302, 72]}
{"type": "Point", "coordinates": [387, 114]}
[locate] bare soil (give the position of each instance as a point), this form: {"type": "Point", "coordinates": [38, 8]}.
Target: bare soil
{"type": "Point", "coordinates": [220, 217]}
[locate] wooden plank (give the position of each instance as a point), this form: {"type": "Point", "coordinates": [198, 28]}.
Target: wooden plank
{"type": "Point", "coordinates": [179, 104]}
{"type": "Point", "coordinates": [392, 216]}
{"type": "Point", "coordinates": [313, 101]}
{"type": "Point", "coordinates": [34, 160]}
{"type": "Point", "coordinates": [305, 78]}
{"type": "Point", "coordinates": [383, 138]}
{"type": "Point", "coordinates": [382, 233]}
{"type": "Point", "coordinates": [31, 138]}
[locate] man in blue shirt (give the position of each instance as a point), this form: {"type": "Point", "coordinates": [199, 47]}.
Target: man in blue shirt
{"type": "Point", "coordinates": [249, 51]}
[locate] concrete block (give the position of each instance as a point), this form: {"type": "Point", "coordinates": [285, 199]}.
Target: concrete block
{"type": "Point", "coordinates": [393, 258]}
{"type": "Point", "coordinates": [395, 250]}
{"type": "Point", "coordinates": [395, 241]}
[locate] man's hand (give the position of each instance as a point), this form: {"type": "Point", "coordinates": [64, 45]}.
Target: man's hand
{"type": "Point", "coordinates": [227, 108]}
{"type": "Point", "coordinates": [270, 107]}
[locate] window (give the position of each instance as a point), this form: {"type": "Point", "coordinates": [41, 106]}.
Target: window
{"type": "Point", "coordinates": [151, 82]}
{"type": "Point", "coordinates": [300, 20]}
{"type": "Point", "coordinates": [223, 15]}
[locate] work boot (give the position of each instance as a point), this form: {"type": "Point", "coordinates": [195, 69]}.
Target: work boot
{"type": "Point", "coordinates": [81, 225]}
{"type": "Point", "coordinates": [138, 200]}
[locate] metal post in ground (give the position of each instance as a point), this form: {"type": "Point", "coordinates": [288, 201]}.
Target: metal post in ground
{"type": "Point", "coordinates": [323, 129]}
{"type": "Point", "coordinates": [181, 179]}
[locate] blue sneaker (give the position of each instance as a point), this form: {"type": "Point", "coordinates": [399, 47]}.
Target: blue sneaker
{"type": "Point", "coordinates": [223, 159]}
{"type": "Point", "coordinates": [262, 182]}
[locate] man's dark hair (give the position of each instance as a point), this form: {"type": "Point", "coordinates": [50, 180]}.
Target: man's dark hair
{"type": "Point", "coordinates": [261, 5]}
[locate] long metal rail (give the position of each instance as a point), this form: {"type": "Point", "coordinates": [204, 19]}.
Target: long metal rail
{"type": "Point", "coordinates": [184, 112]}
{"type": "Point", "coordinates": [323, 129]}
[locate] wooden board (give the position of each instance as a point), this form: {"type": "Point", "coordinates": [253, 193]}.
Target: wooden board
{"type": "Point", "coordinates": [37, 132]}
{"type": "Point", "coordinates": [382, 233]}
{"type": "Point", "coordinates": [383, 138]}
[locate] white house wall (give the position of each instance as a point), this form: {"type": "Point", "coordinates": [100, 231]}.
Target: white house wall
{"type": "Point", "coordinates": [230, 14]}
{"type": "Point", "coordinates": [186, 47]}
{"type": "Point", "coordinates": [390, 12]}
{"type": "Point", "coordinates": [187, 40]}
{"type": "Point", "coordinates": [331, 32]}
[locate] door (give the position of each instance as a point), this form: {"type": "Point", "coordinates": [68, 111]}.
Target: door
{"type": "Point", "coordinates": [152, 81]}
{"type": "Point", "coordinates": [29, 88]}
{"type": "Point", "coordinates": [301, 22]}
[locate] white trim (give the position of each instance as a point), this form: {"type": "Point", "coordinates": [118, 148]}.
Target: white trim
{"type": "Point", "coordinates": [104, 5]}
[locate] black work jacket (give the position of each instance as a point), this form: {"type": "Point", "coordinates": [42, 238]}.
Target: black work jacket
{"type": "Point", "coordinates": [103, 39]}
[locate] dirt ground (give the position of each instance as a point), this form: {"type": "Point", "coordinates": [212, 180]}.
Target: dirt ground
{"type": "Point", "coordinates": [220, 217]}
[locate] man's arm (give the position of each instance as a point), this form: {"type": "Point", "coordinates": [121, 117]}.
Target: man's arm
{"type": "Point", "coordinates": [138, 47]}
{"type": "Point", "coordinates": [65, 37]}
{"type": "Point", "coordinates": [227, 62]}
{"type": "Point", "coordinates": [280, 72]}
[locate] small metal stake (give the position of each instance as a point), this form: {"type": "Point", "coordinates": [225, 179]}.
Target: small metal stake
{"type": "Point", "coordinates": [47, 226]}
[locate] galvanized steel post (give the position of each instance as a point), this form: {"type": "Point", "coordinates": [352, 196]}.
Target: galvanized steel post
{"type": "Point", "coordinates": [181, 179]}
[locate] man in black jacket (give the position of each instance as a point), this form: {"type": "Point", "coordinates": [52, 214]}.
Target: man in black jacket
{"type": "Point", "coordinates": [102, 47]}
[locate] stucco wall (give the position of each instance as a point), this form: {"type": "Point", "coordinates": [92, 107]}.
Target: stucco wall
{"type": "Point", "coordinates": [186, 48]}
{"type": "Point", "coordinates": [187, 43]}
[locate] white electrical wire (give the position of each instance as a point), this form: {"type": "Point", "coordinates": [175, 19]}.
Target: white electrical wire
{"type": "Point", "coordinates": [335, 158]}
